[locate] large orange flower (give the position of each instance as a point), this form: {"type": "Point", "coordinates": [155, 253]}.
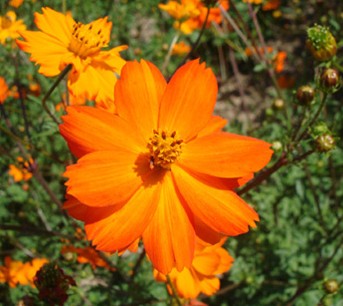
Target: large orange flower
{"type": "Point", "coordinates": [160, 168]}
{"type": "Point", "coordinates": [202, 276]}
{"type": "Point", "coordinates": [63, 41]}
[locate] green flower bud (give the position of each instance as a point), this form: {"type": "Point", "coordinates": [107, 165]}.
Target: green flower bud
{"type": "Point", "coordinates": [325, 143]}
{"type": "Point", "coordinates": [278, 104]}
{"type": "Point", "coordinates": [321, 43]}
{"type": "Point", "coordinates": [331, 286]}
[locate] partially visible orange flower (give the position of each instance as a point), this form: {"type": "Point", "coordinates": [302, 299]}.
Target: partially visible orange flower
{"type": "Point", "coordinates": [253, 1]}
{"type": "Point", "coordinates": [4, 92]}
{"type": "Point", "coordinates": [181, 48]}
{"type": "Point", "coordinates": [9, 27]}
{"type": "Point", "coordinates": [62, 41]}
{"type": "Point", "coordinates": [286, 81]}
{"type": "Point", "coordinates": [16, 272]}
{"type": "Point", "coordinates": [191, 14]}
{"type": "Point", "coordinates": [271, 5]}
{"type": "Point", "coordinates": [21, 171]}
{"type": "Point", "coordinates": [279, 61]}
{"type": "Point", "coordinates": [202, 276]}
{"type": "Point", "coordinates": [180, 10]}
{"type": "Point", "coordinates": [16, 3]}
{"type": "Point", "coordinates": [160, 168]}
{"type": "Point", "coordinates": [87, 255]}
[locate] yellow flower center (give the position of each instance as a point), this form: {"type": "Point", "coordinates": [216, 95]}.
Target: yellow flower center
{"type": "Point", "coordinates": [164, 149]}
{"type": "Point", "coordinates": [87, 39]}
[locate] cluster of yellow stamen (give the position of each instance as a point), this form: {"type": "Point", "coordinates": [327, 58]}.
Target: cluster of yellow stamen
{"type": "Point", "coordinates": [87, 39]}
{"type": "Point", "coordinates": [164, 149]}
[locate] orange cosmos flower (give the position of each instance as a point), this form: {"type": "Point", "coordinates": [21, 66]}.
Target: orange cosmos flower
{"type": "Point", "coordinates": [181, 48]}
{"type": "Point", "coordinates": [16, 272]}
{"type": "Point", "coordinates": [63, 41]}
{"type": "Point", "coordinates": [160, 168]}
{"type": "Point", "coordinates": [4, 92]}
{"type": "Point", "coordinates": [191, 14]}
{"type": "Point", "coordinates": [202, 276]}
{"type": "Point", "coordinates": [16, 3]}
{"type": "Point", "coordinates": [271, 5]}
{"type": "Point", "coordinates": [9, 27]}
{"type": "Point", "coordinates": [22, 172]}
{"type": "Point", "coordinates": [279, 61]}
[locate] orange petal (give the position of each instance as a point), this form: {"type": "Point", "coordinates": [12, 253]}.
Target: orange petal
{"type": "Point", "coordinates": [215, 124]}
{"type": "Point", "coordinates": [104, 178]}
{"type": "Point", "coordinates": [221, 210]}
{"type": "Point", "coordinates": [209, 285]}
{"type": "Point", "coordinates": [45, 50]}
{"type": "Point", "coordinates": [120, 229]}
{"type": "Point", "coordinates": [189, 100]}
{"type": "Point", "coordinates": [206, 263]}
{"type": "Point", "coordinates": [87, 129]}
{"type": "Point", "coordinates": [187, 283]}
{"type": "Point", "coordinates": [137, 95]}
{"type": "Point", "coordinates": [55, 24]}
{"type": "Point", "coordinates": [226, 155]}
{"type": "Point", "coordinates": [169, 239]}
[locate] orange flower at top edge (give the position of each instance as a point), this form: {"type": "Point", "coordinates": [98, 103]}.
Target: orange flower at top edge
{"type": "Point", "coordinates": [191, 14]}
{"type": "Point", "coordinates": [9, 27]}
{"type": "Point", "coordinates": [159, 169]}
{"type": "Point", "coordinates": [16, 3]}
{"type": "Point", "coordinates": [4, 92]}
{"type": "Point", "coordinates": [62, 41]}
{"type": "Point", "coordinates": [202, 276]}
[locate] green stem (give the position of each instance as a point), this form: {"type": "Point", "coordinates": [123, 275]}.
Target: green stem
{"type": "Point", "coordinates": [314, 118]}
{"type": "Point", "coordinates": [50, 91]}
{"type": "Point", "coordinates": [175, 295]}
{"type": "Point", "coordinates": [195, 45]}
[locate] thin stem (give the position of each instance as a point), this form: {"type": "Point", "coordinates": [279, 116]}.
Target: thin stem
{"type": "Point", "coordinates": [195, 45]}
{"type": "Point", "coordinates": [170, 50]}
{"type": "Point", "coordinates": [264, 53]}
{"type": "Point", "coordinates": [137, 265]}
{"type": "Point", "coordinates": [314, 118]}
{"type": "Point", "coordinates": [237, 29]}
{"type": "Point", "coordinates": [263, 175]}
{"type": "Point", "coordinates": [175, 295]}
{"type": "Point", "coordinates": [50, 91]}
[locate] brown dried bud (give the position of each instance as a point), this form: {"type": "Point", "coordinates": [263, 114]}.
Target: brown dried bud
{"type": "Point", "coordinates": [305, 94]}
{"type": "Point", "coordinates": [329, 79]}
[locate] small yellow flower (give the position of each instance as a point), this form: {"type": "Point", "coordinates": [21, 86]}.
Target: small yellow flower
{"type": "Point", "coordinates": [9, 27]}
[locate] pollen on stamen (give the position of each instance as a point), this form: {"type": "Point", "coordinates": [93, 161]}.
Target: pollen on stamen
{"type": "Point", "coordinates": [164, 149]}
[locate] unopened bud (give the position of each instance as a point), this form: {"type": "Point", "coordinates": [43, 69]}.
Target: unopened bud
{"type": "Point", "coordinates": [305, 94]}
{"type": "Point", "coordinates": [325, 143]}
{"type": "Point", "coordinates": [278, 104]}
{"type": "Point", "coordinates": [331, 286]}
{"type": "Point", "coordinates": [321, 43]}
{"type": "Point", "coordinates": [329, 79]}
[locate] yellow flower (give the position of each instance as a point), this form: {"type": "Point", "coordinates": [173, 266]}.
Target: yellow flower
{"type": "Point", "coordinates": [9, 27]}
{"type": "Point", "coordinates": [62, 41]}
